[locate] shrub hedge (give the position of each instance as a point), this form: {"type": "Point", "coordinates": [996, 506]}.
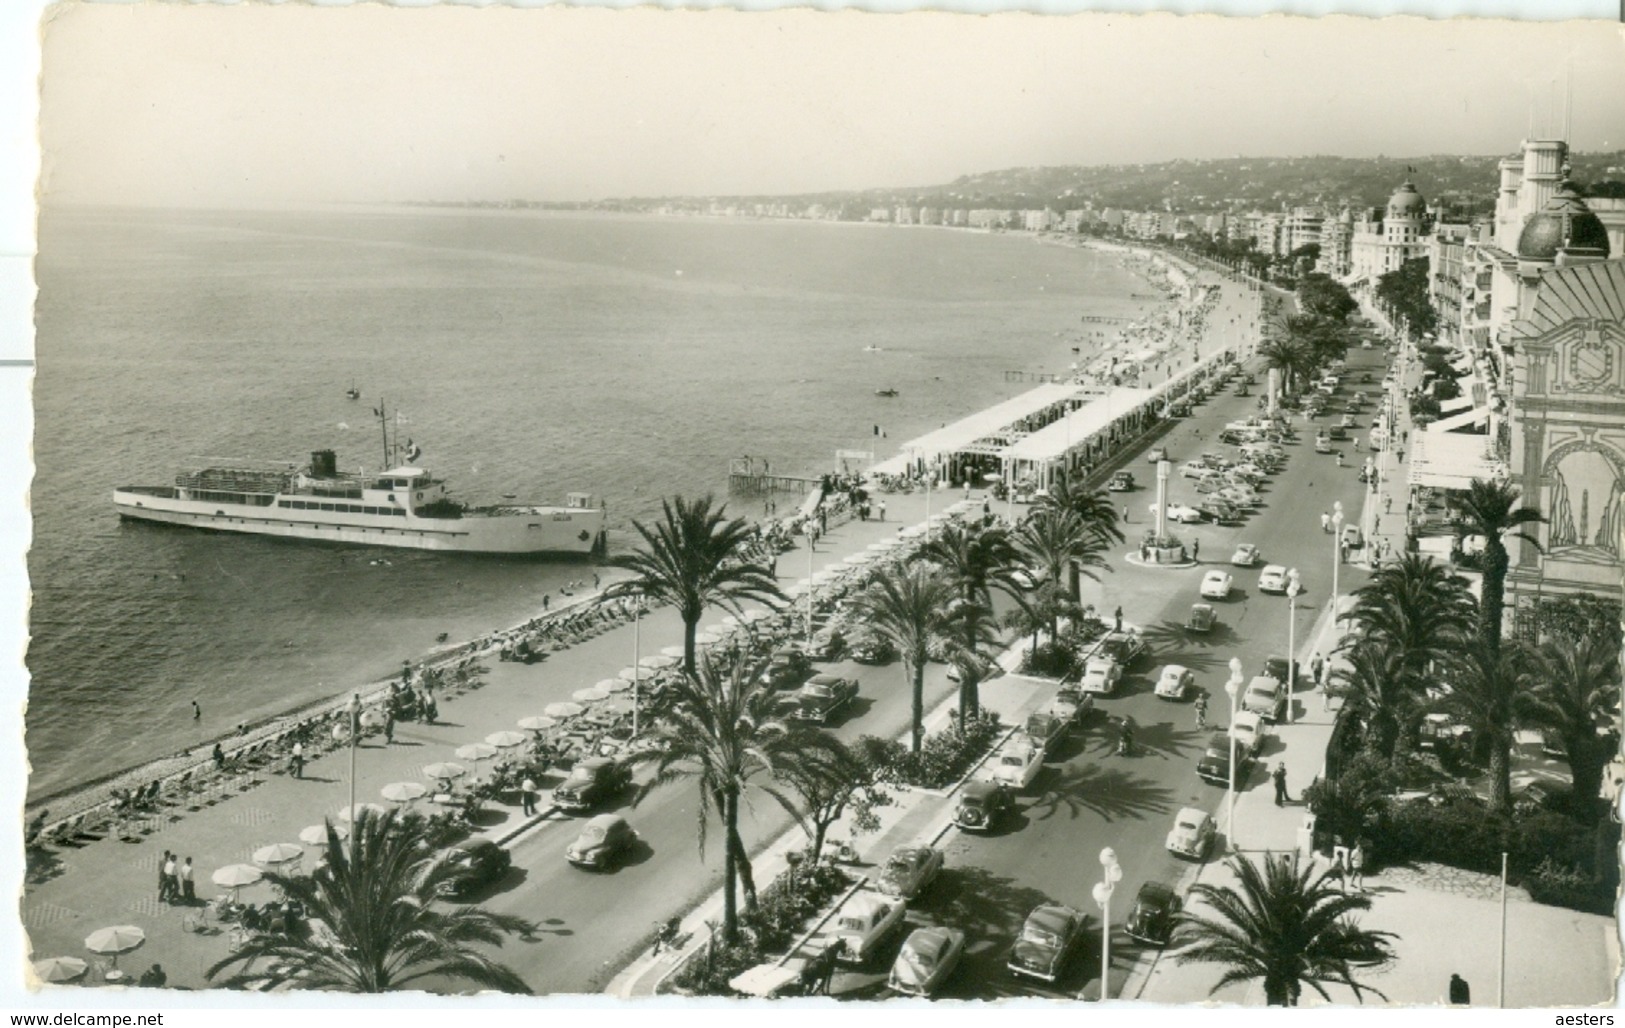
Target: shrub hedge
{"type": "Point", "coordinates": [944, 756]}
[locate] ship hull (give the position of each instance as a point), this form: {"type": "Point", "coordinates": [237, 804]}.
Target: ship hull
{"type": "Point", "coordinates": [515, 531]}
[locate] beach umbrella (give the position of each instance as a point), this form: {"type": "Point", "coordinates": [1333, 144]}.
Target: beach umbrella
{"type": "Point", "coordinates": [732, 621]}
{"type": "Point", "coordinates": [60, 969]}
{"type": "Point", "coordinates": [719, 629]}
{"type": "Point", "coordinates": [563, 709]}
{"type": "Point", "coordinates": [675, 652]}
{"type": "Point", "coordinates": [618, 705]}
{"type": "Point", "coordinates": [236, 876]}
{"type": "Point", "coordinates": [316, 835]}
{"type": "Point", "coordinates": [403, 792]}
{"type": "Point", "coordinates": [825, 576]}
{"type": "Point", "coordinates": [476, 751]}
{"type": "Point", "coordinates": [506, 740]}
{"type": "Point", "coordinates": [537, 723]}
{"type": "Point", "coordinates": [614, 685]}
{"type": "Point", "coordinates": [658, 661]}
{"type": "Point", "coordinates": [278, 853]}
{"type": "Point", "coordinates": [349, 814]}
{"type": "Point", "coordinates": [627, 674]}
{"type": "Point", "coordinates": [702, 639]}
{"type": "Point", "coordinates": [444, 771]}
{"type": "Point", "coordinates": [589, 695]}
{"type": "Point", "coordinates": [119, 939]}
{"type": "Point", "coordinates": [880, 547]}
{"type": "Point", "coordinates": [373, 717]}
{"type": "Point", "coordinates": [861, 557]}
{"type": "Point", "coordinates": [913, 532]}
{"type": "Point", "coordinates": [756, 614]}
{"type": "Point", "coordinates": [795, 589]}
{"type": "Point", "coordinates": [991, 476]}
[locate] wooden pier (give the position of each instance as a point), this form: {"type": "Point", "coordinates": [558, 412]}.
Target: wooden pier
{"type": "Point", "coordinates": [751, 476]}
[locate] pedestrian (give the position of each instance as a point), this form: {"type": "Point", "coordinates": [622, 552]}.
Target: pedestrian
{"type": "Point", "coordinates": [1118, 615]}
{"type": "Point", "coordinates": [1325, 522]}
{"type": "Point", "coordinates": [1357, 865]}
{"type": "Point", "coordinates": [1281, 798]}
{"type": "Point", "coordinates": [1342, 553]}
{"type": "Point", "coordinates": [1201, 711]}
{"type": "Point", "coordinates": [430, 711]}
{"type": "Point", "coordinates": [1340, 867]}
{"type": "Point", "coordinates": [1460, 995]}
{"type": "Point", "coordinates": [527, 798]}
{"type": "Point", "coordinates": [1315, 664]}
{"type": "Point", "coordinates": [169, 887]}
{"type": "Point", "coordinates": [1388, 504]}
{"type": "Point", "coordinates": [298, 759]}
{"type": "Point", "coordinates": [1339, 458]}
{"type": "Point", "coordinates": [1196, 549]}
{"type": "Point", "coordinates": [595, 580]}
{"type": "Point", "coordinates": [218, 756]}
{"type": "Point", "coordinates": [547, 600]}
{"type": "Point", "coordinates": [153, 978]}
{"type": "Point", "coordinates": [881, 508]}
{"type": "Point", "coordinates": [188, 887]}
{"type": "Point", "coordinates": [987, 508]}
{"type": "Point", "coordinates": [389, 728]}
{"type": "Point", "coordinates": [197, 711]}
{"type": "Point", "coordinates": [1125, 515]}
{"type": "Point", "coordinates": [1145, 553]}
{"type": "Point", "coordinates": [163, 877]}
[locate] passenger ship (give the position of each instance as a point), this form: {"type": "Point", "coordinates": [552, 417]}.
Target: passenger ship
{"type": "Point", "coordinates": [405, 507]}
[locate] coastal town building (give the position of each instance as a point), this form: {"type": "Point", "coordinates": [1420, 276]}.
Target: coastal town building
{"type": "Point", "coordinates": [1336, 240]}
{"type": "Point", "coordinates": [1381, 245]}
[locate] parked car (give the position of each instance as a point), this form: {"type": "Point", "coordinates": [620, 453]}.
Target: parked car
{"type": "Point", "coordinates": [1192, 834]}
{"type": "Point", "coordinates": [823, 698]}
{"type": "Point", "coordinates": [1323, 443]}
{"type": "Point", "coordinates": [1351, 536]}
{"type": "Point", "coordinates": [983, 805]}
{"type": "Point", "coordinates": [1201, 619]}
{"type": "Point", "coordinates": [1265, 697]}
{"type": "Point", "coordinates": [1346, 422]}
{"type": "Point", "coordinates": [909, 871]}
{"type": "Point", "coordinates": [1071, 704]}
{"type": "Point", "coordinates": [591, 782]}
{"type": "Point", "coordinates": [1018, 763]}
{"type": "Point", "coordinates": [1216, 585]}
{"type": "Point", "coordinates": [476, 862]}
{"type": "Point", "coordinates": [1248, 729]}
{"type": "Point", "coordinates": [1180, 512]}
{"type": "Point", "coordinates": [1156, 908]}
{"type": "Point", "coordinates": [1277, 667]}
{"type": "Point", "coordinates": [1272, 579]}
{"type": "Point", "coordinates": [928, 957]}
{"type": "Point", "coordinates": [602, 841]}
{"type": "Point", "coordinates": [826, 643]}
{"type": "Point", "coordinates": [1124, 647]}
{"type": "Point", "coordinates": [1442, 732]}
{"type": "Point", "coordinates": [864, 923]}
{"type": "Point", "coordinates": [1050, 935]}
{"type": "Point", "coordinates": [870, 647]}
{"type": "Point", "coordinates": [1240, 495]}
{"type": "Point", "coordinates": [787, 668]}
{"type": "Point", "coordinates": [1101, 675]}
{"type": "Point", "coordinates": [1214, 764]}
{"type": "Point", "coordinates": [1047, 730]}
{"type": "Point", "coordinates": [1158, 453]}
{"type": "Point", "coordinates": [1246, 555]}
{"type": "Point", "coordinates": [1219, 511]}
{"type": "Point", "coordinates": [1174, 682]}
{"type": "Point", "coordinates": [1121, 482]}
{"type": "Point", "coordinates": [1194, 469]}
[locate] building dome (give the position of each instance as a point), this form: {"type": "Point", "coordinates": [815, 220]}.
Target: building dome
{"type": "Point", "coordinates": [1565, 223]}
{"type": "Point", "coordinates": [1406, 202]}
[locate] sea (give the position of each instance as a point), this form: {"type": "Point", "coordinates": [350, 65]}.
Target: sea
{"type": "Point", "coordinates": [526, 353]}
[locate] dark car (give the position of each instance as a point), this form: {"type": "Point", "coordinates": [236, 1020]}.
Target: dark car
{"type": "Point", "coordinates": [826, 643]}
{"type": "Point", "coordinates": [1050, 935]}
{"type": "Point", "coordinates": [604, 839]}
{"type": "Point", "coordinates": [1121, 482]}
{"type": "Point", "coordinates": [1048, 731]}
{"type": "Point", "coordinates": [1152, 919]}
{"type": "Point", "coordinates": [1214, 765]}
{"type": "Point", "coordinates": [983, 805]}
{"type": "Point", "coordinates": [787, 668]}
{"type": "Point", "coordinates": [870, 647]}
{"type": "Point", "coordinates": [822, 698]}
{"type": "Point", "coordinates": [591, 782]}
{"type": "Point", "coordinates": [1124, 647]}
{"type": "Point", "coordinates": [478, 862]}
{"type": "Point", "coordinates": [1276, 667]}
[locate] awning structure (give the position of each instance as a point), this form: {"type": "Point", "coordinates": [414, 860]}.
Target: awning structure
{"type": "Point", "coordinates": [1445, 460]}
{"type": "Point", "coordinates": [1451, 406]}
{"type": "Point", "coordinates": [1457, 422]}
{"type": "Point", "coordinates": [1053, 441]}
{"type": "Point", "coordinates": [963, 433]}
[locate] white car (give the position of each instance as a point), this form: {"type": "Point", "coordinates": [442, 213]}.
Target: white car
{"type": "Point", "coordinates": [1100, 676]}
{"type": "Point", "coordinates": [1246, 555]}
{"type": "Point", "coordinates": [1194, 469]}
{"type": "Point", "coordinates": [1272, 579]}
{"type": "Point", "coordinates": [1158, 453]}
{"type": "Point", "coordinates": [1248, 731]}
{"type": "Point", "coordinates": [1240, 494]}
{"type": "Point", "coordinates": [1018, 763]}
{"type": "Point", "coordinates": [1265, 697]}
{"type": "Point", "coordinates": [1216, 585]}
{"type": "Point", "coordinates": [865, 922]}
{"type": "Point", "coordinates": [1174, 682]}
{"type": "Point", "coordinates": [1181, 513]}
{"type": "Point", "coordinates": [1351, 536]}
{"type": "Point", "coordinates": [1192, 833]}
{"type": "Point", "coordinates": [927, 959]}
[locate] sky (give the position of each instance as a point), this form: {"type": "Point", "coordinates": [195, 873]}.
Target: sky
{"type": "Point", "coordinates": [257, 104]}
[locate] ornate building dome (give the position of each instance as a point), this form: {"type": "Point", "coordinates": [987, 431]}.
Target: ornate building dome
{"type": "Point", "coordinates": [1406, 202]}
{"type": "Point", "coordinates": [1565, 223]}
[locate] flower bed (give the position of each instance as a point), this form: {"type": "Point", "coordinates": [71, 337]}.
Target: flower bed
{"type": "Point", "coordinates": [944, 756]}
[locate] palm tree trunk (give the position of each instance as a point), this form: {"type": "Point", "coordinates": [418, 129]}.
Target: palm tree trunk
{"type": "Point", "coordinates": [730, 903]}
{"type": "Point", "coordinates": [691, 628]}
{"type": "Point", "coordinates": [1501, 774]}
{"type": "Point", "coordinates": [1492, 600]}
{"type": "Point", "coordinates": [969, 699]}
{"type": "Point", "coordinates": [1586, 760]}
{"type": "Point", "coordinates": [742, 865]}
{"type": "Point", "coordinates": [917, 726]}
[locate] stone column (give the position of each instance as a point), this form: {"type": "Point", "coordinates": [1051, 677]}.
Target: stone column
{"type": "Point", "coordinates": [1163, 470]}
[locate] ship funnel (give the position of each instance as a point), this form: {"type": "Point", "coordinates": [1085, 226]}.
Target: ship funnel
{"type": "Point", "coordinates": [324, 464]}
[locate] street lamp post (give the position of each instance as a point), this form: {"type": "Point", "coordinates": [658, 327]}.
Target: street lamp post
{"type": "Point", "coordinates": [1111, 872]}
{"type": "Point", "coordinates": [637, 669]}
{"type": "Point", "coordinates": [1293, 588]}
{"type": "Point", "coordinates": [1233, 688]}
{"type": "Point", "coordinates": [1337, 557]}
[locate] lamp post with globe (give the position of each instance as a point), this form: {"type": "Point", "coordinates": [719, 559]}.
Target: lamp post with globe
{"type": "Point", "coordinates": [1337, 557]}
{"type": "Point", "coordinates": [1111, 872]}
{"type": "Point", "coordinates": [1293, 588]}
{"type": "Point", "coordinates": [1232, 688]}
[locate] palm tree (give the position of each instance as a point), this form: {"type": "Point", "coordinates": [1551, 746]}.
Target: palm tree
{"type": "Point", "coordinates": [1488, 693]}
{"type": "Point", "coordinates": [1375, 687]}
{"type": "Point", "coordinates": [1285, 926]}
{"type": "Point", "coordinates": [1042, 610]}
{"type": "Point", "coordinates": [1490, 509]}
{"type": "Point", "coordinates": [1095, 508]}
{"type": "Point", "coordinates": [724, 728]}
{"type": "Point", "coordinates": [1288, 356]}
{"type": "Point", "coordinates": [1056, 542]}
{"type": "Point", "coordinates": [693, 558]}
{"type": "Point", "coordinates": [914, 608]}
{"type": "Point", "coordinates": [382, 895]}
{"type": "Point", "coordinates": [1423, 609]}
{"type": "Point", "coordinates": [977, 562]}
{"type": "Point", "coordinates": [1576, 693]}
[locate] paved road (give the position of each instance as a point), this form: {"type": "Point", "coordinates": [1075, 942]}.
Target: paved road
{"type": "Point", "coordinates": [1089, 797]}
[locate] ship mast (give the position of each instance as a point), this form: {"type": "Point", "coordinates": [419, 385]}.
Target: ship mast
{"type": "Point", "coordinates": [383, 423]}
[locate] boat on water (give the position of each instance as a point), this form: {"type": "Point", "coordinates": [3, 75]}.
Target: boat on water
{"type": "Point", "coordinates": [886, 392]}
{"type": "Point", "coordinates": [404, 507]}
{"type": "Point", "coordinates": [353, 393]}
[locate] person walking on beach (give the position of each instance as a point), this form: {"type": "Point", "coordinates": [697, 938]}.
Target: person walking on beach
{"type": "Point", "coordinates": [188, 887]}
{"type": "Point", "coordinates": [163, 876]}
{"type": "Point", "coordinates": [527, 798]}
{"type": "Point", "coordinates": [197, 711]}
{"type": "Point", "coordinates": [880, 507]}
{"type": "Point", "coordinates": [430, 711]}
{"type": "Point", "coordinates": [389, 728]}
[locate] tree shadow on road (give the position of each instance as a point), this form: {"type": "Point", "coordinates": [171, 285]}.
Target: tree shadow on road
{"type": "Point", "coordinates": [1110, 791]}
{"type": "Point", "coordinates": [1199, 651]}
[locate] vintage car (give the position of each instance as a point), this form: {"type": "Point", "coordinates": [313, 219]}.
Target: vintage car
{"type": "Point", "coordinates": [1208, 485]}
{"type": "Point", "coordinates": [867, 646]}
{"type": "Point", "coordinates": [1272, 579]}
{"type": "Point", "coordinates": [788, 667]}
{"type": "Point", "coordinates": [1351, 536]}
{"type": "Point", "coordinates": [864, 923]}
{"type": "Point", "coordinates": [1151, 921]}
{"type": "Point", "coordinates": [983, 805]}
{"type": "Point", "coordinates": [602, 840]}
{"type": "Point", "coordinates": [1194, 469]}
{"type": "Point", "coordinates": [1174, 682]}
{"type": "Point", "coordinates": [1216, 585]}
{"type": "Point", "coordinates": [1100, 676]}
{"type": "Point", "coordinates": [1246, 555]}
{"type": "Point", "coordinates": [1192, 833]}
{"type": "Point", "coordinates": [826, 643]}
{"type": "Point", "coordinates": [1266, 697]}
{"type": "Point", "coordinates": [1221, 512]}
{"type": "Point", "coordinates": [1240, 495]}
{"type": "Point", "coordinates": [1050, 935]}
{"type": "Point", "coordinates": [823, 698]}
{"type": "Point", "coordinates": [1180, 512]}
{"type": "Point", "coordinates": [1121, 482]}
{"type": "Point", "coordinates": [928, 957]}
{"type": "Point", "coordinates": [1214, 764]}
{"type": "Point", "coordinates": [1017, 763]}
{"type": "Point", "coordinates": [1246, 475]}
{"type": "Point", "coordinates": [1158, 453]}
{"type": "Point", "coordinates": [476, 863]}
{"type": "Point", "coordinates": [1071, 704]}
{"type": "Point", "coordinates": [1201, 618]}
{"type": "Point", "coordinates": [909, 871]}
{"type": "Point", "coordinates": [1124, 647]}
{"type": "Point", "coordinates": [1248, 730]}
{"type": "Point", "coordinates": [1276, 667]}
{"type": "Point", "coordinates": [1346, 422]}
{"type": "Point", "coordinates": [1323, 443]}
{"type": "Point", "coordinates": [591, 782]}
{"type": "Point", "coordinates": [1047, 730]}
{"type": "Point", "coordinates": [1442, 732]}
